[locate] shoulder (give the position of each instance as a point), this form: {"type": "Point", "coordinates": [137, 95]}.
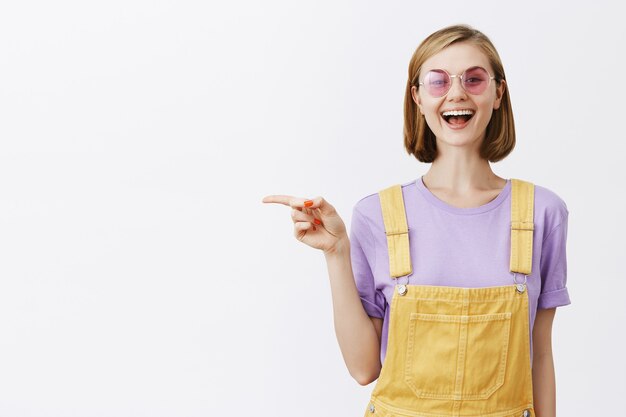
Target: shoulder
{"type": "Point", "coordinates": [550, 208]}
{"type": "Point", "coordinates": [368, 206]}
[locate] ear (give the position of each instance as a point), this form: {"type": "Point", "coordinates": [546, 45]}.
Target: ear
{"type": "Point", "coordinates": [499, 93]}
{"type": "Point", "coordinates": [416, 98]}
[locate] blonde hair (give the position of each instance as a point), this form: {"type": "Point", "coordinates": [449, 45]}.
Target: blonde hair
{"type": "Point", "coordinates": [419, 140]}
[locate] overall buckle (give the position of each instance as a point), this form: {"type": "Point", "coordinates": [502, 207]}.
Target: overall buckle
{"type": "Point", "coordinates": [521, 286]}
{"type": "Point", "coordinates": [401, 288]}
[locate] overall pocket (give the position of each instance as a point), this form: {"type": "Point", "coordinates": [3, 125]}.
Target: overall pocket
{"type": "Point", "coordinates": [457, 357]}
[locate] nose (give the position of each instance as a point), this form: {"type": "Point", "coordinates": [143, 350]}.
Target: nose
{"type": "Point", "coordinates": [456, 91]}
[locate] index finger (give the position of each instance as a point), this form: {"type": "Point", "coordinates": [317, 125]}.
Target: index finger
{"type": "Point", "coordinates": [287, 200]}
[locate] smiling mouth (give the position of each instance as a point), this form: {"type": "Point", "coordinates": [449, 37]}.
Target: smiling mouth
{"type": "Point", "coordinates": [458, 120]}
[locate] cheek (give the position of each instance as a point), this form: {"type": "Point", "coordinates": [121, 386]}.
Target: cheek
{"type": "Point", "coordinates": [437, 125]}
{"type": "Point", "coordinates": [433, 121]}
{"type": "Point", "coordinates": [486, 109]}
{"type": "Point", "coordinates": [431, 113]}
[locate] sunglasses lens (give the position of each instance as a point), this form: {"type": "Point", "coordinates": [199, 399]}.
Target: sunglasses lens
{"type": "Point", "coordinates": [475, 80]}
{"type": "Point", "coordinates": [437, 83]}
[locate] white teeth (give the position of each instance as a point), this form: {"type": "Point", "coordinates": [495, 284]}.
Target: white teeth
{"type": "Point", "coordinates": [457, 112]}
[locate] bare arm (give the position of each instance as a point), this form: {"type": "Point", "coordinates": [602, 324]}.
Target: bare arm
{"type": "Point", "coordinates": [357, 333]}
{"type": "Point", "coordinates": [544, 381]}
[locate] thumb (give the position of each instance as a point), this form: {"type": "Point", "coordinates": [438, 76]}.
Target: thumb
{"type": "Point", "coordinates": [322, 206]}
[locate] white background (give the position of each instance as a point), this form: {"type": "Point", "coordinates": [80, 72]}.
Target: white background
{"type": "Point", "coordinates": [140, 274]}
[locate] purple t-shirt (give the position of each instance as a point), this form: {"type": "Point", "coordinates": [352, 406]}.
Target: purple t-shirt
{"type": "Point", "coordinates": [459, 247]}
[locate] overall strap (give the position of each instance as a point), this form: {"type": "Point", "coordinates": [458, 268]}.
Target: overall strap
{"type": "Point", "coordinates": [396, 229]}
{"type": "Point", "coordinates": [522, 226]}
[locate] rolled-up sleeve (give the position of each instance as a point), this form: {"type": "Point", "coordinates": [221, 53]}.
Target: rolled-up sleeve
{"type": "Point", "coordinates": [553, 267]}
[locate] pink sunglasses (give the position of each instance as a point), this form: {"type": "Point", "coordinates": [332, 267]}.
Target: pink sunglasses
{"type": "Point", "coordinates": [474, 80]}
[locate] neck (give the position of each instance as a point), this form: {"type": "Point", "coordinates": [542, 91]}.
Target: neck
{"type": "Point", "coordinates": [461, 172]}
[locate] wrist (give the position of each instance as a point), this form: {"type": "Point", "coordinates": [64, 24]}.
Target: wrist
{"type": "Point", "coordinates": [341, 248]}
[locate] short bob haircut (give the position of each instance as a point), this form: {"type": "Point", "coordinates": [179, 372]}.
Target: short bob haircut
{"type": "Point", "coordinates": [419, 140]}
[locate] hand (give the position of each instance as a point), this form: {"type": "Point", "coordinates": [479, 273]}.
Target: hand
{"type": "Point", "coordinates": [327, 234]}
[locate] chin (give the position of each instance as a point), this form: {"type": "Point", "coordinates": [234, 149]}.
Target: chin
{"type": "Point", "coordinates": [460, 139]}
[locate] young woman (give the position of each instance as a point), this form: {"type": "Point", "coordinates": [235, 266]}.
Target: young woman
{"type": "Point", "coordinates": [446, 288]}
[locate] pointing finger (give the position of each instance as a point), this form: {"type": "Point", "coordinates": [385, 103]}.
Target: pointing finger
{"type": "Point", "coordinates": [287, 200]}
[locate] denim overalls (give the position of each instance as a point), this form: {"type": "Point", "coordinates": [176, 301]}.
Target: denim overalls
{"type": "Point", "coordinates": [456, 351]}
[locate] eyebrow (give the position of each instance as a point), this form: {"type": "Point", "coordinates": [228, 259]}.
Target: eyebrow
{"type": "Point", "coordinates": [451, 72]}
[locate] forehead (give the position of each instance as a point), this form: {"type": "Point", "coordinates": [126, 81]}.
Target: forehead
{"type": "Point", "coordinates": [456, 58]}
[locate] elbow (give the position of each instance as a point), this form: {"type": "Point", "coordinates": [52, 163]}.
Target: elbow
{"type": "Point", "coordinates": [365, 378]}
{"type": "Point", "coordinates": [363, 381]}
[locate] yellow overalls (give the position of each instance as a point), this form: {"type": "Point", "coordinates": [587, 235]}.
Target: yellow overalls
{"type": "Point", "coordinates": [455, 351]}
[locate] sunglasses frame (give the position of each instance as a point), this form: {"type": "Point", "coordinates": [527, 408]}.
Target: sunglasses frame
{"type": "Point", "coordinates": [460, 77]}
